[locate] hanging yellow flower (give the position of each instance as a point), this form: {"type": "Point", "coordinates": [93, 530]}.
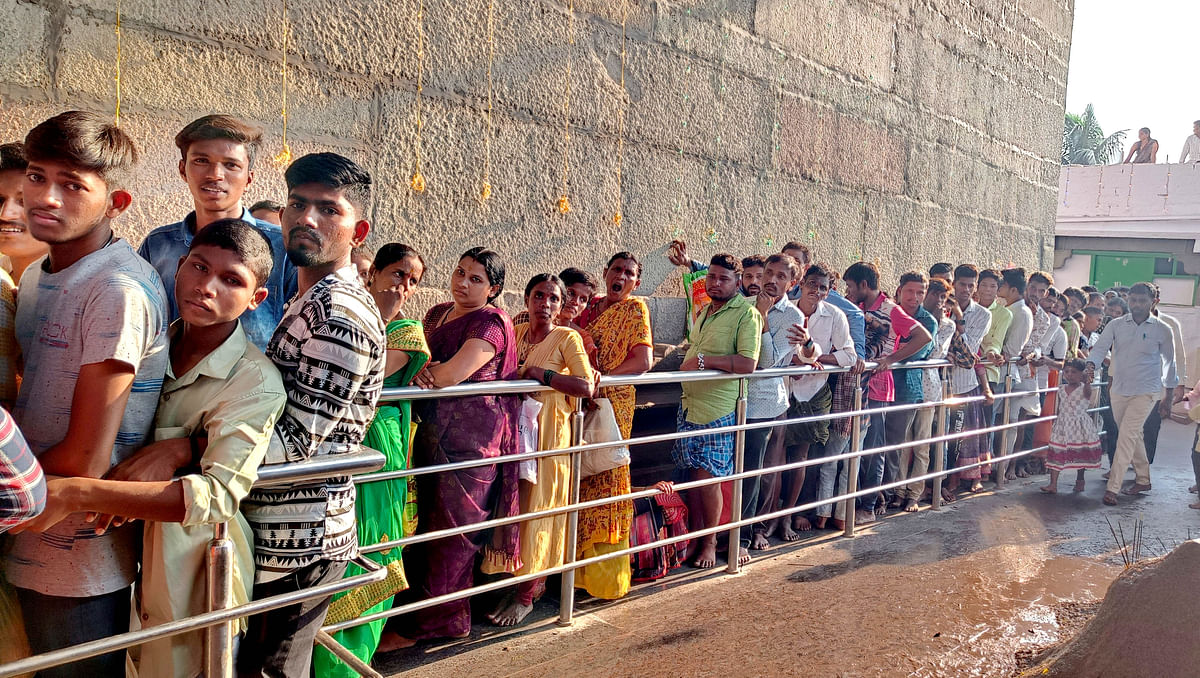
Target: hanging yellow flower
{"type": "Point", "coordinates": [486, 192]}
{"type": "Point", "coordinates": [283, 158]}
{"type": "Point", "coordinates": [617, 219]}
{"type": "Point", "coordinates": [564, 205]}
{"type": "Point", "coordinates": [418, 182]}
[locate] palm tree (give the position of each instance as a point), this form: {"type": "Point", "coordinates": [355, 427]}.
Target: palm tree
{"type": "Point", "coordinates": [1084, 142]}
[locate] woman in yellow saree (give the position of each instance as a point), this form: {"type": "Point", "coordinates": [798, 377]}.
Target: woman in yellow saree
{"type": "Point", "coordinates": [556, 357]}
{"type": "Point", "coordinates": [620, 325]}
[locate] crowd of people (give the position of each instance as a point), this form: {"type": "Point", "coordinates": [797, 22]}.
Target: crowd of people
{"type": "Point", "coordinates": [148, 386]}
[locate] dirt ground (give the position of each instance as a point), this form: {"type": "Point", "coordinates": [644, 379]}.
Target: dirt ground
{"type": "Point", "coordinates": [971, 590]}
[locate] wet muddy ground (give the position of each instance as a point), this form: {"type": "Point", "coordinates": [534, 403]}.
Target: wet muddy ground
{"type": "Point", "coordinates": [971, 590]}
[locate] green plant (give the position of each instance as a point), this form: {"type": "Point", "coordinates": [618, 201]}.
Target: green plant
{"type": "Point", "coordinates": [1084, 142]}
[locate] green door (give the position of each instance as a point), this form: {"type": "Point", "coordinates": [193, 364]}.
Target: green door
{"type": "Point", "coordinates": [1120, 269]}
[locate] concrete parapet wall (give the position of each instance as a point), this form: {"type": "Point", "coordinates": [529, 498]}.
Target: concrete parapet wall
{"type": "Point", "coordinates": [904, 130]}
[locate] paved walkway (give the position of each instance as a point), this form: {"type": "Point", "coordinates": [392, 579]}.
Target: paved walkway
{"type": "Point", "coordinates": [955, 592]}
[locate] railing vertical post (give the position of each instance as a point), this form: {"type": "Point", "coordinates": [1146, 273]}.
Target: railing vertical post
{"type": "Point", "coordinates": [939, 462]}
{"type": "Point", "coordinates": [739, 455]}
{"type": "Point", "coordinates": [566, 604]}
{"type": "Point", "coordinates": [855, 448]}
{"type": "Point", "coordinates": [218, 639]}
{"type": "Point", "coordinates": [1001, 468]}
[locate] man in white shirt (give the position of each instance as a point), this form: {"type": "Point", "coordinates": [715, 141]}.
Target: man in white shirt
{"type": "Point", "coordinates": [824, 327]}
{"type": "Point", "coordinates": [767, 399]}
{"type": "Point", "coordinates": [1143, 365]}
{"type": "Point", "coordinates": [1154, 421]}
{"type": "Point", "coordinates": [1025, 373]}
{"type": "Point", "coordinates": [964, 382]}
{"type": "Point", "coordinates": [1012, 294]}
{"type": "Point", "coordinates": [1191, 147]}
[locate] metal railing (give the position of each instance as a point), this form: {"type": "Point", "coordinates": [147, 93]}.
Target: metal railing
{"type": "Point", "coordinates": [219, 621]}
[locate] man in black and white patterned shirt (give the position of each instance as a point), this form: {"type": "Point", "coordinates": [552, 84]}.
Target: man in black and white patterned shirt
{"type": "Point", "coordinates": [329, 348]}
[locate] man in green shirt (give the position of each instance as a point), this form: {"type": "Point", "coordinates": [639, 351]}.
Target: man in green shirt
{"type": "Point", "coordinates": [726, 337]}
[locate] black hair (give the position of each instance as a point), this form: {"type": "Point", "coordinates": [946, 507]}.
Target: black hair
{"type": "Point", "coordinates": [269, 205]}
{"type": "Point", "coordinates": [88, 141]}
{"type": "Point", "coordinates": [1076, 294]}
{"type": "Point", "coordinates": [244, 240]}
{"type": "Point", "coordinates": [1014, 278]}
{"type": "Point", "coordinates": [577, 276]}
{"type": "Point", "coordinates": [1041, 276]}
{"type": "Point", "coordinates": [912, 276]}
{"type": "Point", "coordinates": [1076, 364]}
{"type": "Point", "coordinates": [12, 157]}
{"type": "Point", "coordinates": [492, 265]}
{"type": "Point", "coordinates": [394, 252]}
{"type": "Point", "coordinates": [788, 260]}
{"type": "Point", "coordinates": [220, 126]}
{"type": "Point", "coordinates": [1118, 301]}
{"type": "Point", "coordinates": [333, 171]}
{"type": "Point", "coordinates": [727, 262]}
{"type": "Point", "coordinates": [544, 277]}
{"type": "Point", "coordinates": [803, 249]}
{"type": "Point", "coordinates": [989, 274]}
{"type": "Point", "coordinates": [862, 271]}
{"type": "Point", "coordinates": [1144, 288]}
{"type": "Point", "coordinates": [941, 268]}
{"type": "Point", "coordinates": [966, 272]}
{"type": "Point", "coordinates": [937, 286]}
{"type": "Point", "coordinates": [1093, 310]}
{"type": "Point", "coordinates": [625, 255]}
{"type": "Point", "coordinates": [817, 270]}
{"type": "Point", "coordinates": [754, 260]}
{"type": "Point", "coordinates": [1090, 289]}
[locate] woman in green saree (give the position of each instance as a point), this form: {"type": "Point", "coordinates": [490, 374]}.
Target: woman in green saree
{"type": "Point", "coordinates": [384, 510]}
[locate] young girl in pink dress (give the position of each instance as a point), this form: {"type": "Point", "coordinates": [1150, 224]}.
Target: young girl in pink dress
{"type": "Point", "coordinates": [1074, 442]}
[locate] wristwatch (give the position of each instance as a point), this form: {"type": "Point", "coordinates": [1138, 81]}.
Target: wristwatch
{"type": "Point", "coordinates": [700, 361]}
{"type": "Point", "coordinates": [808, 344]}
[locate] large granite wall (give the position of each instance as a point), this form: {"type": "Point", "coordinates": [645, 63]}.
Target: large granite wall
{"type": "Point", "coordinates": [905, 131]}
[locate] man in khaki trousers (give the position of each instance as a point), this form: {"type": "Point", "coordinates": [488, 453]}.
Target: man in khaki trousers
{"type": "Point", "coordinates": [1142, 371]}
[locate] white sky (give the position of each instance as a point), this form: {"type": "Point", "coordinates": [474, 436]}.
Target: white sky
{"type": "Point", "coordinates": [1135, 62]}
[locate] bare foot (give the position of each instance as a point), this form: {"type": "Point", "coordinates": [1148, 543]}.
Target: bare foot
{"type": "Point", "coordinates": [391, 641]}
{"type": "Point", "coordinates": [1195, 506]}
{"type": "Point", "coordinates": [838, 524]}
{"type": "Point", "coordinates": [743, 556]}
{"type": "Point", "coordinates": [820, 524]}
{"type": "Point", "coordinates": [801, 524]}
{"type": "Point", "coordinates": [863, 517]}
{"type": "Point", "coordinates": [976, 486]}
{"type": "Point", "coordinates": [513, 614]}
{"type": "Point", "coordinates": [1192, 489]}
{"type": "Point", "coordinates": [911, 506]}
{"type": "Point", "coordinates": [1022, 473]}
{"type": "Point", "coordinates": [706, 556]}
{"type": "Point", "coordinates": [505, 601]}
{"type": "Point", "coordinates": [1011, 474]}
{"type": "Point", "coordinates": [1078, 486]}
{"type": "Point", "coordinates": [786, 532]}
{"type": "Point", "coordinates": [1049, 489]}
{"type": "Point", "coordinates": [948, 495]}
{"type": "Point", "coordinates": [759, 542]}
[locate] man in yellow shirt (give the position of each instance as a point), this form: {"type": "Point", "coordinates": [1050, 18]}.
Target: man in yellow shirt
{"type": "Point", "coordinates": [219, 402]}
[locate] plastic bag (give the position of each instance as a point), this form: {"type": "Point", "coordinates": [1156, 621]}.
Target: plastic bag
{"type": "Point", "coordinates": [600, 426]}
{"type": "Point", "coordinates": [527, 429]}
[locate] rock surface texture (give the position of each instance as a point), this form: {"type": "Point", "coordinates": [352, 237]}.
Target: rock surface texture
{"type": "Point", "coordinates": [906, 131]}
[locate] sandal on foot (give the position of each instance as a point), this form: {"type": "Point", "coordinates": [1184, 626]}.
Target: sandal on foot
{"type": "Point", "coordinates": [1110, 498]}
{"type": "Point", "coordinates": [1136, 489]}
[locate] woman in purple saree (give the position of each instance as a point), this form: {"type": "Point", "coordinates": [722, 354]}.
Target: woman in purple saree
{"type": "Point", "coordinates": [470, 341]}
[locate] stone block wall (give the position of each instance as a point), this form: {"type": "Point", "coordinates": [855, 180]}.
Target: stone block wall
{"type": "Point", "coordinates": [906, 131]}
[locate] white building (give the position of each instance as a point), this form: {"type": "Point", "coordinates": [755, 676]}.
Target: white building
{"type": "Point", "coordinates": [1121, 224]}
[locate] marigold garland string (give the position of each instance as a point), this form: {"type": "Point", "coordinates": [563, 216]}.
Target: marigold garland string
{"type": "Point", "coordinates": [418, 180]}
{"type": "Point", "coordinates": [621, 113]}
{"type": "Point", "coordinates": [117, 76]}
{"type": "Point", "coordinates": [564, 204]}
{"type": "Point", "coordinates": [284, 157]}
{"type": "Point", "coordinates": [485, 188]}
